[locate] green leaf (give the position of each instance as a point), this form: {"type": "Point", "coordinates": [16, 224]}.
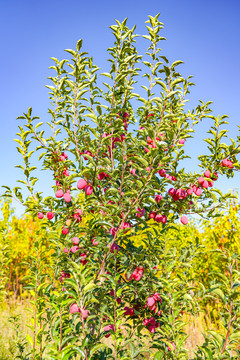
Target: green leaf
{"type": "Point", "coordinates": [29, 339]}
{"type": "Point", "coordinates": [209, 353]}
{"type": "Point", "coordinates": [89, 286]}
{"type": "Point", "coordinates": [158, 355]}
{"type": "Point", "coordinates": [72, 52]}
{"type": "Point", "coordinates": [168, 343]}
{"type": "Point", "coordinates": [107, 74]}
{"type": "Point", "coordinates": [176, 63]}
{"type": "Point", "coordinates": [217, 292]}
{"type": "Point", "coordinates": [217, 337]}
{"type": "Point", "coordinates": [96, 348]}
{"type": "Point", "coordinates": [79, 45]}
{"type": "Point", "coordinates": [235, 336]}
{"type": "Point", "coordinates": [141, 160]}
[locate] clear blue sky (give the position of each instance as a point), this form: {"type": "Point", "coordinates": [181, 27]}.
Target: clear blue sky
{"type": "Point", "coordinates": [204, 34]}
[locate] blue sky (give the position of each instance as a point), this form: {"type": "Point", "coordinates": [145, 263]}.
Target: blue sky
{"type": "Point", "coordinates": [204, 34]}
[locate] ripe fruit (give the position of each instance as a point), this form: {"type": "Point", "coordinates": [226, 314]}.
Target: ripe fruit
{"type": "Point", "coordinates": [133, 171]}
{"type": "Point", "coordinates": [162, 173]}
{"type": "Point", "coordinates": [83, 259]}
{"type": "Point", "coordinates": [59, 193]}
{"type": "Point", "coordinates": [78, 212]}
{"type": "Point", "coordinates": [151, 303]}
{"type": "Point", "coordinates": [40, 215]}
{"type": "Point", "coordinates": [149, 140]}
{"type": "Point", "coordinates": [81, 184]}
{"type": "Point", "coordinates": [50, 215]}
{"type": "Point", "coordinates": [114, 248]}
{"type": "Point", "coordinates": [158, 218]}
{"type": "Point", "coordinates": [158, 198]}
{"type": "Point", "coordinates": [184, 220]}
{"type": "Point", "coordinates": [128, 311]}
{"type": "Point", "coordinates": [164, 219]}
{"type": "Point", "coordinates": [152, 215]}
{"type": "Point", "coordinates": [205, 184]}
{"type": "Point", "coordinates": [171, 191]}
{"type": "Point", "coordinates": [180, 194]}
{"type": "Point", "coordinates": [140, 212]}
{"type": "Point", "coordinates": [102, 175]}
{"type": "Point", "coordinates": [210, 183]}
{"type": "Point", "coordinates": [67, 197]}
{"type": "Point", "coordinates": [64, 231]}
{"type": "Point", "coordinates": [227, 163]}
{"type": "Point", "coordinates": [157, 297]}
{"type": "Point", "coordinates": [74, 249]}
{"type": "Point", "coordinates": [207, 174]}
{"type": "Point", "coordinates": [64, 155]}
{"type": "Point", "coordinates": [84, 313]}
{"type": "Point", "coordinates": [108, 328]}
{"type": "Point", "coordinates": [94, 242]}
{"type": "Point", "coordinates": [136, 274]}
{"type": "Point", "coordinates": [75, 240]}
{"type": "Point", "coordinates": [152, 328]}
{"type": "Point", "coordinates": [77, 215]}
{"type": "Point", "coordinates": [74, 309]}
{"type": "Point", "coordinates": [198, 191]}
{"type": "Point", "coordinates": [66, 172]}
{"type": "Point", "coordinates": [88, 190]}
{"type": "Point", "coordinates": [201, 180]}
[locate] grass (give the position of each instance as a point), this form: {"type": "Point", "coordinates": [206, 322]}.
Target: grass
{"type": "Point", "coordinates": [15, 319]}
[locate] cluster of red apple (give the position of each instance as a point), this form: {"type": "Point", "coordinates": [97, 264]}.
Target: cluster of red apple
{"type": "Point", "coordinates": [74, 308]}
{"type": "Point", "coordinates": [227, 163]}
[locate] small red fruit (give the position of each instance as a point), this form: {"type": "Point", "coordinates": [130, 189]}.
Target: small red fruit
{"type": "Point", "coordinates": [59, 193]}
{"type": "Point", "coordinates": [184, 220]}
{"type": "Point", "coordinates": [158, 218]}
{"type": "Point", "coordinates": [75, 240]}
{"type": "Point", "coordinates": [74, 249]}
{"type": "Point", "coordinates": [171, 191]}
{"type": "Point", "coordinates": [207, 174]}
{"type": "Point", "coordinates": [67, 197]}
{"type": "Point", "coordinates": [201, 180]}
{"type": "Point", "coordinates": [162, 173]}
{"type": "Point", "coordinates": [74, 309]}
{"type": "Point", "coordinates": [81, 184]}
{"type": "Point", "coordinates": [215, 177]}
{"type": "Point", "coordinates": [64, 231]}
{"type": "Point", "coordinates": [88, 190]}
{"type": "Point", "coordinates": [198, 191]}
{"type": "Point", "coordinates": [205, 184]}
{"type": "Point", "coordinates": [158, 198]}
{"type": "Point", "coordinates": [152, 215]}
{"type": "Point", "coordinates": [94, 242]}
{"type": "Point", "coordinates": [50, 215]}
{"type": "Point", "coordinates": [210, 183]}
{"type": "Point", "coordinates": [164, 219]}
{"type": "Point", "coordinates": [190, 191]}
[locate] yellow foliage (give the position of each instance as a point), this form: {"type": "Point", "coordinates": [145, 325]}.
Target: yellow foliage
{"type": "Point", "coordinates": [16, 245]}
{"type": "Point", "coordinates": [209, 236]}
